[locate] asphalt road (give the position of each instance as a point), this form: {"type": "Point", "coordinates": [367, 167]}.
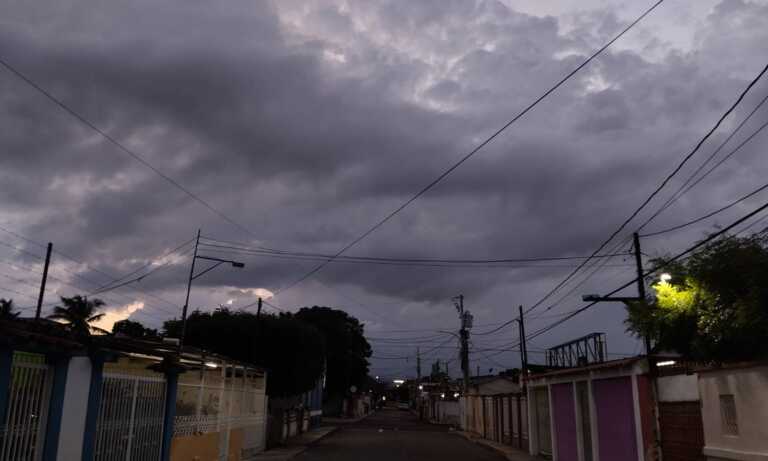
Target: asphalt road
{"type": "Point", "coordinates": [391, 435]}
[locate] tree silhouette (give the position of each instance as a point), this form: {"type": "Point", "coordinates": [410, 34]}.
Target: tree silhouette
{"type": "Point", "coordinates": [7, 309]}
{"type": "Point", "coordinates": [713, 306]}
{"type": "Point", "coordinates": [347, 349]}
{"type": "Point", "coordinates": [292, 351]}
{"type": "Point", "coordinates": [78, 312]}
{"type": "Point", "coordinates": [133, 329]}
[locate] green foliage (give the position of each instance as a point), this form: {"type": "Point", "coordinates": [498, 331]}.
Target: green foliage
{"type": "Point", "coordinates": [77, 313]}
{"type": "Point", "coordinates": [133, 329]}
{"type": "Point", "coordinates": [348, 350]}
{"type": "Point", "coordinates": [292, 351]}
{"type": "Point", "coordinates": [7, 311]}
{"type": "Point", "coordinates": [715, 307]}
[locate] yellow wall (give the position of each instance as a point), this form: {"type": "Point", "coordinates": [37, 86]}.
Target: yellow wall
{"type": "Point", "coordinates": [203, 447]}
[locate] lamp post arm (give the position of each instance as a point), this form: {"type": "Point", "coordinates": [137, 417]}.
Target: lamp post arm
{"type": "Point", "coordinates": [208, 269]}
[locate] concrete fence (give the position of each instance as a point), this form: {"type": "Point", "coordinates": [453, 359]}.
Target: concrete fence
{"type": "Point", "coordinates": [500, 418]}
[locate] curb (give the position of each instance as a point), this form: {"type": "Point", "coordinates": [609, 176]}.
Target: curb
{"type": "Point", "coordinates": [290, 452]}
{"type": "Point", "coordinates": [509, 453]}
{"type": "Point", "coordinates": [312, 443]}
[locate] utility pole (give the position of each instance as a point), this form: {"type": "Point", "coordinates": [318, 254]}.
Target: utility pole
{"type": "Point", "coordinates": [189, 287]}
{"type": "Point", "coordinates": [45, 279]}
{"type": "Point", "coordinates": [523, 346]}
{"type": "Point", "coordinates": [418, 364]}
{"type": "Point", "coordinates": [630, 299]}
{"type": "Point", "coordinates": [641, 285]}
{"type": "Point", "coordinates": [466, 323]}
{"type": "Point", "coordinates": [258, 309]}
{"type": "Point", "coordinates": [192, 276]}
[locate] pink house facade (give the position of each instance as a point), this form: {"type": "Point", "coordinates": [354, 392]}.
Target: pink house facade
{"type": "Point", "coordinates": [601, 412]}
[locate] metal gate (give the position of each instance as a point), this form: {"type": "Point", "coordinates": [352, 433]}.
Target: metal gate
{"type": "Point", "coordinates": [130, 424]}
{"type": "Point", "coordinates": [682, 433]}
{"type": "Point", "coordinates": [21, 436]}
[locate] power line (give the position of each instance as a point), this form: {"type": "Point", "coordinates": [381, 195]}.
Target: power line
{"type": "Point", "coordinates": [708, 215]}
{"type": "Point", "coordinates": [82, 119]}
{"type": "Point", "coordinates": [471, 153]}
{"type": "Point", "coordinates": [246, 249]}
{"type": "Point", "coordinates": [413, 356]}
{"type": "Point", "coordinates": [654, 269]}
{"type": "Point", "coordinates": [151, 262]}
{"type": "Point", "coordinates": [143, 276]}
{"type": "Point", "coordinates": [659, 187]}
{"type": "Point", "coordinates": [76, 273]}
{"type": "Point", "coordinates": [686, 186]}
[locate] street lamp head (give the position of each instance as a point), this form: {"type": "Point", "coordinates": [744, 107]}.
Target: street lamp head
{"type": "Point", "coordinates": [590, 298]}
{"type": "Point", "coordinates": [237, 264]}
{"type": "Point", "coordinates": [665, 277]}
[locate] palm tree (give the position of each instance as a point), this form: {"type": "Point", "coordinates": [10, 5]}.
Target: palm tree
{"type": "Point", "coordinates": [6, 309]}
{"type": "Point", "coordinates": [78, 312]}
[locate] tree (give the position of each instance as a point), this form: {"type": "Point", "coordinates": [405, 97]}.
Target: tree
{"type": "Point", "coordinates": [78, 312]}
{"type": "Point", "coordinates": [714, 306]}
{"type": "Point", "coordinates": [347, 349]}
{"type": "Point", "coordinates": [292, 351]}
{"type": "Point", "coordinates": [7, 309]}
{"type": "Point", "coordinates": [133, 329]}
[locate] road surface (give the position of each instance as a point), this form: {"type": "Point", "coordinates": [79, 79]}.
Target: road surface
{"type": "Point", "coordinates": [390, 435]}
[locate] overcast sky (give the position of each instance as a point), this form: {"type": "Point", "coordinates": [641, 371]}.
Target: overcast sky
{"type": "Point", "coordinates": [308, 121]}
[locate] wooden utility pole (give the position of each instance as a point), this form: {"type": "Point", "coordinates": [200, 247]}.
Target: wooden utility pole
{"type": "Point", "coordinates": [45, 279]}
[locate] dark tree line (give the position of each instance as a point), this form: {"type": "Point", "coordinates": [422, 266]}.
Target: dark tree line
{"type": "Point", "coordinates": [296, 349]}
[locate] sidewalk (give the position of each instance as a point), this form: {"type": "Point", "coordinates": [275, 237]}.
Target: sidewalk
{"type": "Point", "coordinates": [296, 445]}
{"type": "Point", "coordinates": [511, 453]}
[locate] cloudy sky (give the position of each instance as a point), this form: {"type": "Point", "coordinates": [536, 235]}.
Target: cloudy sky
{"type": "Point", "coordinates": [305, 122]}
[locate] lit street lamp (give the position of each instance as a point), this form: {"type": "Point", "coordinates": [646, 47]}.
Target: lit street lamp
{"type": "Point", "coordinates": [192, 276]}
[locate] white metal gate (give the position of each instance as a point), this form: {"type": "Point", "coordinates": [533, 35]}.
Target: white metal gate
{"type": "Point", "coordinates": [130, 424]}
{"type": "Point", "coordinates": [22, 434]}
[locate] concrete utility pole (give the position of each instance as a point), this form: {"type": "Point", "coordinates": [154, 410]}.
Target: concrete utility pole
{"type": "Point", "coordinates": [629, 299]}
{"type": "Point", "coordinates": [42, 283]}
{"type": "Point", "coordinates": [418, 364]}
{"type": "Point", "coordinates": [641, 284]}
{"type": "Point", "coordinates": [523, 346]}
{"type": "Point", "coordinates": [466, 323]}
{"type": "Point", "coordinates": [192, 276]}
{"type": "Point", "coordinates": [189, 288]}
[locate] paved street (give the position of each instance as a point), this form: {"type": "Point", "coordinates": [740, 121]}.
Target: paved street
{"type": "Point", "coordinates": [402, 437]}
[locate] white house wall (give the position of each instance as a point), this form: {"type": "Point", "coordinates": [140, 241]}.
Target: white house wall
{"type": "Point", "coordinates": [678, 388]}
{"type": "Point", "coordinates": [75, 407]}
{"type": "Point", "coordinates": [748, 387]}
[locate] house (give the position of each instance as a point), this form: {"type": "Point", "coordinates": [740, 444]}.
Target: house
{"type": "Point", "coordinates": [734, 408]}
{"type": "Point", "coordinates": [495, 408]}
{"type": "Point", "coordinates": [596, 412]}
{"type": "Point", "coordinates": [109, 398]}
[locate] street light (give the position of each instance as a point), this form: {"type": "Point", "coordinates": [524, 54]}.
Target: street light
{"type": "Point", "coordinates": [665, 277]}
{"type": "Point", "coordinates": [192, 276]}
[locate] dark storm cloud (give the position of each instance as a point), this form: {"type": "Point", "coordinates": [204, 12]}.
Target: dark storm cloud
{"type": "Point", "coordinates": [307, 122]}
